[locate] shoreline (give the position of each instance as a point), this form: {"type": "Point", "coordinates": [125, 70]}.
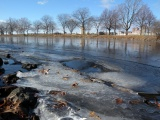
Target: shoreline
{"type": "Point", "coordinates": [128, 37]}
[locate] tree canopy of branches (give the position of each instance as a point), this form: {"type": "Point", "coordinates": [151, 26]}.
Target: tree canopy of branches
{"type": "Point", "coordinates": [107, 20]}
{"type": "Point", "coordinates": [52, 26]}
{"type": "Point", "coordinates": [71, 24]}
{"type": "Point", "coordinates": [3, 28]}
{"type": "Point", "coordinates": [82, 15]}
{"type": "Point", "coordinates": [24, 25]}
{"type": "Point", "coordinates": [144, 18]}
{"type": "Point", "coordinates": [46, 22]}
{"type": "Point", "coordinates": [37, 25]}
{"type": "Point", "coordinates": [156, 27]}
{"type": "Point", "coordinates": [11, 25]}
{"type": "Point", "coordinates": [128, 11]}
{"type": "Point", "coordinates": [63, 18]}
{"type": "Point", "coordinates": [97, 21]}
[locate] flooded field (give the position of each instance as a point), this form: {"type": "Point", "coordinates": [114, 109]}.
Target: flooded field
{"type": "Point", "coordinates": [89, 79]}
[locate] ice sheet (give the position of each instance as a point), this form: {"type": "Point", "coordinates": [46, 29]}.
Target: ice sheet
{"type": "Point", "coordinates": [88, 96]}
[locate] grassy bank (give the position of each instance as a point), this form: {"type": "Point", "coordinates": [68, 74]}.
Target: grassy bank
{"type": "Point", "coordinates": [129, 37]}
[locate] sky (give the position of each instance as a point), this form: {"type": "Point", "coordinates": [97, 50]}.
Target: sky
{"type": "Point", "coordinates": [35, 9]}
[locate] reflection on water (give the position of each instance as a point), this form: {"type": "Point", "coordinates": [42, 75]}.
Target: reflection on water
{"type": "Point", "coordinates": [146, 52]}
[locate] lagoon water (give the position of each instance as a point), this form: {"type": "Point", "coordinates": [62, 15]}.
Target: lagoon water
{"type": "Point", "coordinates": [134, 67]}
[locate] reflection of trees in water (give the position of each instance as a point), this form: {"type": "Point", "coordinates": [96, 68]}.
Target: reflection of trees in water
{"type": "Point", "coordinates": [64, 42]}
{"type": "Point", "coordinates": [2, 39]}
{"type": "Point", "coordinates": [82, 43]}
{"type": "Point", "coordinates": [122, 48]}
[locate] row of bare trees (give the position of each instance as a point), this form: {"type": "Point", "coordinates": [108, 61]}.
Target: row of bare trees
{"type": "Point", "coordinates": [124, 16]}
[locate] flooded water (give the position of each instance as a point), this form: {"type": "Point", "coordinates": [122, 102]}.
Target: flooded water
{"type": "Point", "coordinates": [146, 52]}
{"type": "Point", "coordinates": [93, 73]}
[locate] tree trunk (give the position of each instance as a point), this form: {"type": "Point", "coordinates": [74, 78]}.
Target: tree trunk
{"type": "Point", "coordinates": [141, 31]}
{"type": "Point", "coordinates": [109, 30]}
{"type": "Point", "coordinates": [83, 29]}
{"type": "Point", "coordinates": [126, 31]}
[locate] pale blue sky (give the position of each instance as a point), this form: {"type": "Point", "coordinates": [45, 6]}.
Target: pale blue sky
{"type": "Point", "coordinates": [35, 9]}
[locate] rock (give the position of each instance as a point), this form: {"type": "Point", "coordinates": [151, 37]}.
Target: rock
{"type": "Point", "coordinates": [1, 62]}
{"type": "Point", "coordinates": [10, 79]}
{"type": "Point", "coordinates": [29, 66]}
{"type": "Point", "coordinates": [6, 62]}
{"type": "Point", "coordinates": [6, 90]}
{"type": "Point", "coordinates": [19, 104]}
{"type": "Point", "coordinates": [2, 71]}
{"type": "Point", "coordinates": [8, 56]}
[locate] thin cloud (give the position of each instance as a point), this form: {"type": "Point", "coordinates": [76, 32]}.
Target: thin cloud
{"type": "Point", "coordinates": [107, 3]}
{"type": "Point", "coordinates": [42, 2]}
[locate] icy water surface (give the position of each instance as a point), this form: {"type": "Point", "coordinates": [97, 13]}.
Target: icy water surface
{"type": "Point", "coordinates": [90, 76]}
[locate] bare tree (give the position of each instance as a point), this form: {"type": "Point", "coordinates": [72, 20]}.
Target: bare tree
{"type": "Point", "coordinates": [128, 11]}
{"type": "Point", "coordinates": [11, 25]}
{"type": "Point", "coordinates": [46, 20]}
{"type": "Point", "coordinates": [89, 25]}
{"type": "Point", "coordinates": [150, 21]}
{"type": "Point", "coordinates": [63, 18]}
{"type": "Point", "coordinates": [18, 28]}
{"type": "Point", "coordinates": [52, 26]}
{"type": "Point", "coordinates": [3, 28]}
{"type": "Point", "coordinates": [71, 25]}
{"type": "Point", "coordinates": [107, 20]}
{"type": "Point", "coordinates": [156, 27]}
{"type": "Point", "coordinates": [82, 15]}
{"type": "Point", "coordinates": [24, 25]}
{"type": "Point", "coordinates": [37, 25]}
{"type": "Point", "coordinates": [116, 20]}
{"type": "Point", "coordinates": [97, 21]}
{"type": "Point", "coordinates": [144, 18]}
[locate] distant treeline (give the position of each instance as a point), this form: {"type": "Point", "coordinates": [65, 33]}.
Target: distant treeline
{"type": "Point", "coordinates": [122, 17]}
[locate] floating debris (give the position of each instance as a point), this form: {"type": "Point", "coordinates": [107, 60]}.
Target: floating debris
{"type": "Point", "coordinates": [119, 101]}
{"type": "Point", "coordinates": [134, 102]}
{"type": "Point", "coordinates": [62, 93]}
{"type": "Point", "coordinates": [60, 104]}
{"type": "Point", "coordinates": [65, 78]}
{"type": "Point", "coordinates": [94, 115]}
{"type": "Point", "coordinates": [75, 85]}
{"type": "Point", "coordinates": [44, 71]}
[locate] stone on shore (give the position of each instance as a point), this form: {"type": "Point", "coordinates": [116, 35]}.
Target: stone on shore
{"type": "Point", "coordinates": [10, 79]}
{"type": "Point", "coordinates": [29, 66]}
{"type": "Point", "coordinates": [1, 62]}
{"type": "Point", "coordinates": [18, 104]}
{"type": "Point", "coordinates": [2, 71]}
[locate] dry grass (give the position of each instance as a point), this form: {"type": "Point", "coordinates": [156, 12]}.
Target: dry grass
{"type": "Point", "coordinates": [119, 37]}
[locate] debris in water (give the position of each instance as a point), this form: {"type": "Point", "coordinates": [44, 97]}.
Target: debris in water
{"type": "Point", "coordinates": [44, 71]}
{"type": "Point", "coordinates": [65, 78]}
{"type": "Point", "coordinates": [119, 101]}
{"type": "Point", "coordinates": [60, 104]}
{"type": "Point", "coordinates": [134, 102]}
{"type": "Point", "coordinates": [62, 93]}
{"type": "Point", "coordinates": [75, 85]}
{"type": "Point", "coordinates": [94, 115]}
